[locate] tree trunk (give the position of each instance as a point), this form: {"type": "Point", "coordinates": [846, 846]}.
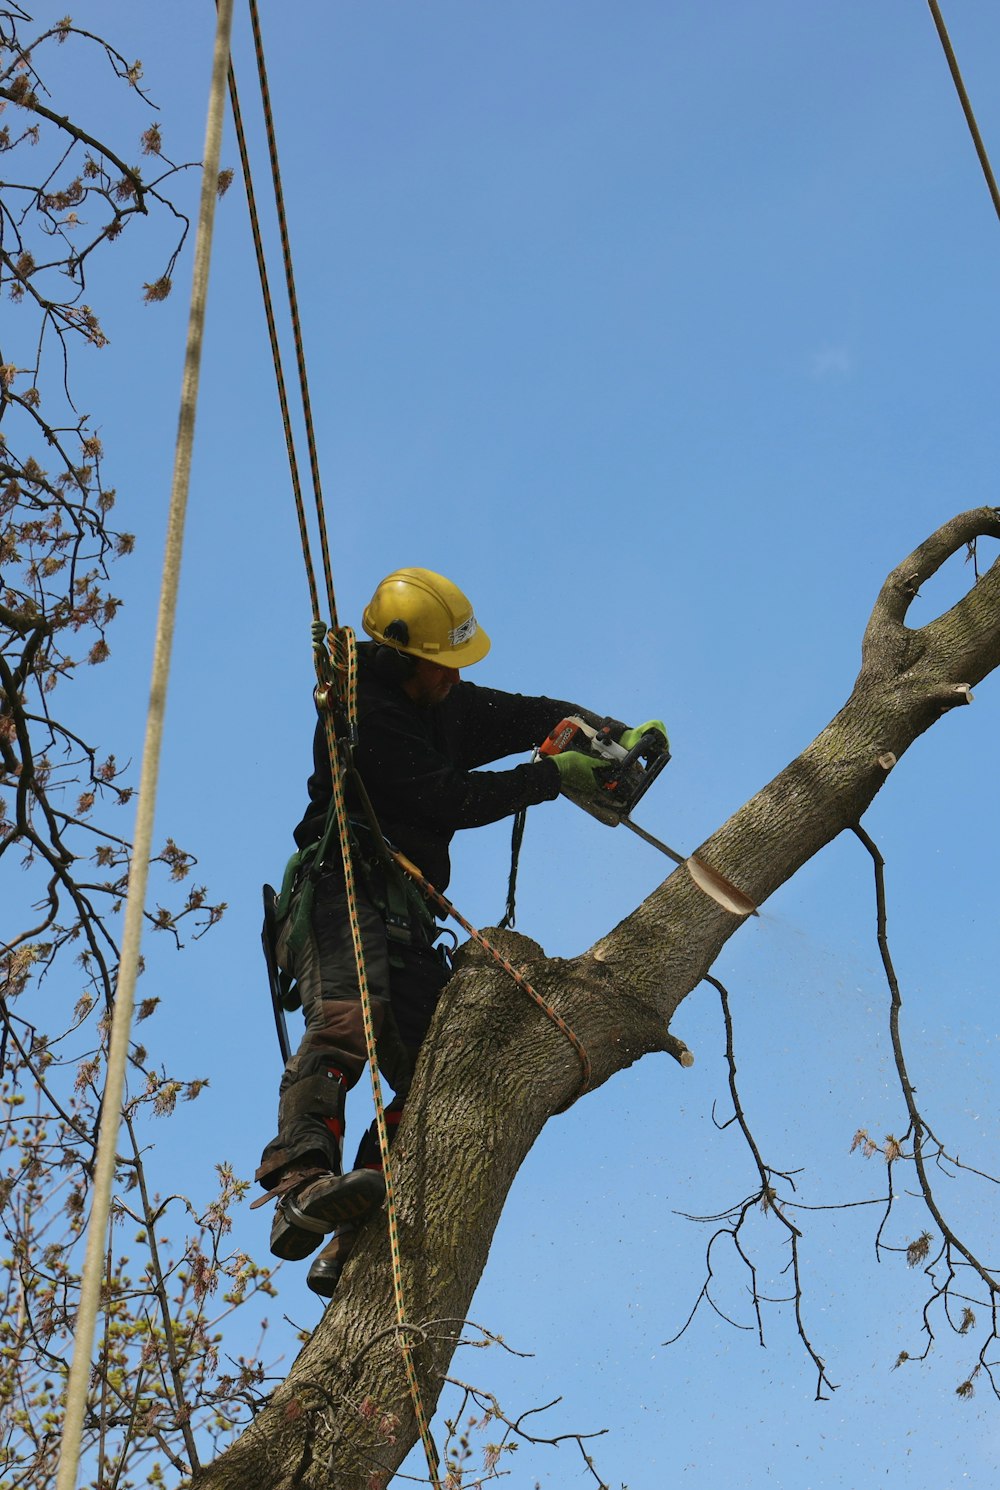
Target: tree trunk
{"type": "Point", "coordinates": [494, 1069]}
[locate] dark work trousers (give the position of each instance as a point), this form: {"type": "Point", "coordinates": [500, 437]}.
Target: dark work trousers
{"type": "Point", "coordinates": [404, 983]}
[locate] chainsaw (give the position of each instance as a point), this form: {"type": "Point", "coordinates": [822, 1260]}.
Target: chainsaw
{"type": "Point", "coordinates": [627, 774]}
{"type": "Point", "coordinates": [621, 782]}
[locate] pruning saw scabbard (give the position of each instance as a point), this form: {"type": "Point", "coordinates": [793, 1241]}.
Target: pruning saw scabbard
{"type": "Point", "coordinates": [282, 997]}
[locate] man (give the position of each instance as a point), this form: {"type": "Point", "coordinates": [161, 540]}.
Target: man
{"type": "Point", "coordinates": [423, 733]}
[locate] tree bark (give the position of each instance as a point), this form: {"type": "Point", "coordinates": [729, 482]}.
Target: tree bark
{"type": "Point", "coordinates": [494, 1069]}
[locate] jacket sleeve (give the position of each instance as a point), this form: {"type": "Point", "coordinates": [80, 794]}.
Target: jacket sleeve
{"type": "Point", "coordinates": [412, 779]}
{"type": "Point", "coordinates": [493, 725]}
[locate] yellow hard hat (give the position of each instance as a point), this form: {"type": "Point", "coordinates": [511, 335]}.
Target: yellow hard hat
{"type": "Point", "coordinates": [423, 614]}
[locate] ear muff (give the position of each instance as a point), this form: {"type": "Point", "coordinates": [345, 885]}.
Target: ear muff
{"type": "Point", "coordinates": [392, 666]}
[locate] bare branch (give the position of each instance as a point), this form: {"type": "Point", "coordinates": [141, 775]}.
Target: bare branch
{"type": "Point", "coordinates": [954, 1252]}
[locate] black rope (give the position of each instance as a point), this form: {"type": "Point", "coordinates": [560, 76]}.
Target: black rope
{"type": "Point", "coordinates": [516, 839]}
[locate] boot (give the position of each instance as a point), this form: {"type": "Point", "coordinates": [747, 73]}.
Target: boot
{"type": "Point", "coordinates": [324, 1275]}
{"type": "Point", "coordinates": [313, 1195]}
{"type": "Point", "coordinates": [313, 1206]}
{"type": "Point", "coordinates": [369, 1155]}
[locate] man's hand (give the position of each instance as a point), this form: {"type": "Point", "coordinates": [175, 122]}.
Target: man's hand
{"type": "Point", "coordinates": [576, 771]}
{"type": "Point", "coordinates": [631, 737]}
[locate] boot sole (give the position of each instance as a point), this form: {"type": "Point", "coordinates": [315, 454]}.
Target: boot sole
{"type": "Point", "coordinates": [298, 1230]}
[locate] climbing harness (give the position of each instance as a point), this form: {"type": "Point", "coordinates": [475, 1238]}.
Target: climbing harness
{"type": "Point", "coordinates": [403, 910]}
{"type": "Point", "coordinates": [395, 861]}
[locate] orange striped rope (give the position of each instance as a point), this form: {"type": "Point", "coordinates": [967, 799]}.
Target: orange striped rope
{"type": "Point", "coordinates": [335, 659]}
{"type": "Point", "coordinates": [293, 309]}
{"type": "Point", "coordinates": [343, 682]}
{"type": "Point", "coordinates": [272, 331]}
{"type": "Point", "coordinates": [498, 957]}
{"type": "Point", "coordinates": [345, 650]}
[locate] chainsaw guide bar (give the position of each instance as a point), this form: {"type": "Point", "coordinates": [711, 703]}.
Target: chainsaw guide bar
{"type": "Point", "coordinates": [625, 778]}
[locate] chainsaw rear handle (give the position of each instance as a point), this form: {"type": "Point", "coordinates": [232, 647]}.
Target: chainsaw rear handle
{"type": "Point", "coordinates": [569, 734]}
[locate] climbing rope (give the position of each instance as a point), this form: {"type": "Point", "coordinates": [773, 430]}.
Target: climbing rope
{"type": "Point", "coordinates": [345, 655]}
{"type": "Point", "coordinates": [94, 1261]}
{"type": "Point", "coordinates": [272, 331]}
{"type": "Point", "coordinates": [335, 659]}
{"type": "Point", "coordinates": [293, 310]}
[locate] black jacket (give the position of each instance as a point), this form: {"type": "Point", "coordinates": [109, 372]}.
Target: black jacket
{"type": "Point", "coordinates": [418, 763]}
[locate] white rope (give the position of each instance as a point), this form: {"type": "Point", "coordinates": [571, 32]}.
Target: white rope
{"type": "Point", "coordinates": [93, 1267]}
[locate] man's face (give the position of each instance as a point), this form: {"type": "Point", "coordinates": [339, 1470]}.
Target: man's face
{"type": "Point", "coordinates": [430, 683]}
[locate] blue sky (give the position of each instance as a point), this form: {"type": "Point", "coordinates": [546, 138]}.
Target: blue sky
{"type": "Point", "coordinates": [665, 329]}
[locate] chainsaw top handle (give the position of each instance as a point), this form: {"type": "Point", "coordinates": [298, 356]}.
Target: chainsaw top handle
{"type": "Point", "coordinates": [628, 777]}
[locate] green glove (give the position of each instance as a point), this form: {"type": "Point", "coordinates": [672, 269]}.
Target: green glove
{"type": "Point", "coordinates": [631, 737]}
{"type": "Point", "coordinates": [576, 771]}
